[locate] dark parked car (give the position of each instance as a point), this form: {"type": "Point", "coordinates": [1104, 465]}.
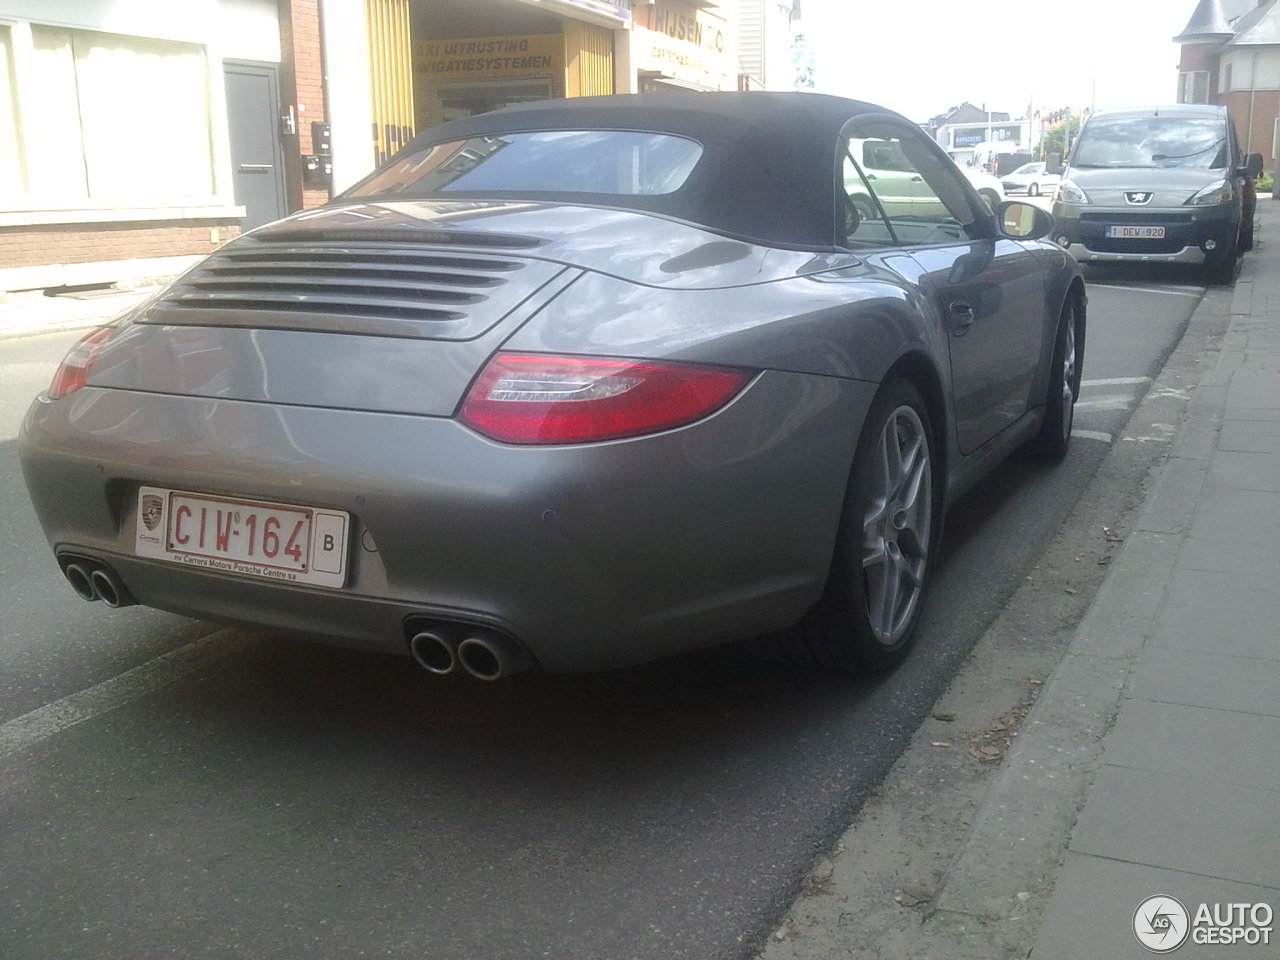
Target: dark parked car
{"type": "Point", "coordinates": [575, 384]}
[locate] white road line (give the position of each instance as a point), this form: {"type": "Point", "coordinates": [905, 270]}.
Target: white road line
{"type": "Point", "coordinates": [1105, 403]}
{"type": "Point", "coordinates": [43, 722]}
{"type": "Point", "coordinates": [1114, 381]}
{"type": "Point", "coordinates": [1171, 291]}
{"type": "Point", "coordinates": [1092, 435]}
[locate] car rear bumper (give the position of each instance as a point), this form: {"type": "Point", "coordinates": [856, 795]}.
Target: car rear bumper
{"type": "Point", "coordinates": [593, 556]}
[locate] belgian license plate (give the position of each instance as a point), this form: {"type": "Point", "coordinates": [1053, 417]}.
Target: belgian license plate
{"type": "Point", "coordinates": [275, 541]}
{"type": "Point", "coordinates": [1135, 233]}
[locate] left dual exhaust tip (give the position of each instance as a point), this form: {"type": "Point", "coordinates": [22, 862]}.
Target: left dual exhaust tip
{"type": "Point", "coordinates": [94, 580]}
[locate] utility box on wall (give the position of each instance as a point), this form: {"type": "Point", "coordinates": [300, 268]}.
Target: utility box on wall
{"type": "Point", "coordinates": [321, 137]}
{"type": "Point", "coordinates": [317, 170]}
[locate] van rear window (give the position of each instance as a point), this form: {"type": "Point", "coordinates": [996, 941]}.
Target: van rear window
{"type": "Point", "coordinates": [1151, 142]}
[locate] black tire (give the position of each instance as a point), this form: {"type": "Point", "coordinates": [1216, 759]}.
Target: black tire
{"type": "Point", "coordinates": [1246, 234]}
{"type": "Point", "coordinates": [867, 618]}
{"type": "Point", "coordinates": [1033, 190]}
{"type": "Point", "coordinates": [1054, 438]}
{"type": "Point", "coordinates": [991, 197]}
{"type": "Point", "coordinates": [1221, 270]}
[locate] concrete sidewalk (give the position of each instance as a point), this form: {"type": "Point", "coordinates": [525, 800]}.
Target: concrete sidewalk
{"type": "Point", "coordinates": [29, 314]}
{"type": "Point", "coordinates": [1186, 800]}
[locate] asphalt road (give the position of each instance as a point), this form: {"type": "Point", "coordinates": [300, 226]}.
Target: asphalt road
{"type": "Point", "coordinates": [167, 795]}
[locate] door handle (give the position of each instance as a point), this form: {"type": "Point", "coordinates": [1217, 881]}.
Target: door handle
{"type": "Point", "coordinates": [255, 167]}
{"type": "Point", "coordinates": [962, 317]}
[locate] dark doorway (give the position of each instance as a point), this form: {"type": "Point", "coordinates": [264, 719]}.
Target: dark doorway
{"type": "Point", "coordinates": [253, 122]}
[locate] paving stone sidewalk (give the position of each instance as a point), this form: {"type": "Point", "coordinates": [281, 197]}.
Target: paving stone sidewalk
{"type": "Point", "coordinates": [1186, 802]}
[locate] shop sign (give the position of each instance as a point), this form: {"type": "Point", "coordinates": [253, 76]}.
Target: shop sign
{"type": "Point", "coordinates": [683, 42]}
{"type": "Point", "coordinates": [968, 136]}
{"type": "Point", "coordinates": [475, 58]}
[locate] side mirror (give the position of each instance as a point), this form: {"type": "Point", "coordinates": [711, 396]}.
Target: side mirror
{"type": "Point", "coordinates": [1022, 221]}
{"type": "Point", "coordinates": [1252, 166]}
{"type": "Point", "coordinates": [1053, 163]}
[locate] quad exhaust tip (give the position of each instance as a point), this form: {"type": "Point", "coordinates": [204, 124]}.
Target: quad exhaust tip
{"type": "Point", "coordinates": [446, 648]}
{"type": "Point", "coordinates": [81, 581]}
{"type": "Point", "coordinates": [93, 580]}
{"type": "Point", "coordinates": [436, 649]}
{"type": "Point", "coordinates": [491, 656]}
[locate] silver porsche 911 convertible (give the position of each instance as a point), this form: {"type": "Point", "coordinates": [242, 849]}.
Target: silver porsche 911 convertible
{"type": "Point", "coordinates": [574, 385]}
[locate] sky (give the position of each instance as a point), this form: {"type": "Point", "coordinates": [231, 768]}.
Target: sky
{"type": "Point", "coordinates": [921, 57]}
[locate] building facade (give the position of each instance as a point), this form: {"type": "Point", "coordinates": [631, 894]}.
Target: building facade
{"type": "Point", "coordinates": [143, 129]}
{"type": "Point", "coordinates": [767, 45]}
{"type": "Point", "coordinates": [124, 127]}
{"type": "Point", "coordinates": [972, 135]}
{"type": "Point", "coordinates": [1230, 55]}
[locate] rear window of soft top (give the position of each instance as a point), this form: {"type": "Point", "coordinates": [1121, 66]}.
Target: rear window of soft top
{"type": "Point", "coordinates": [609, 162]}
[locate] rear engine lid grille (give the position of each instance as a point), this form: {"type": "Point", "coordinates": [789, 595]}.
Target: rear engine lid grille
{"type": "Point", "coordinates": [367, 287]}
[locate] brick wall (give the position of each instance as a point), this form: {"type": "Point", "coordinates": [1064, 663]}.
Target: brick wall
{"type": "Point", "coordinates": [1197, 56]}
{"type": "Point", "coordinates": [1266, 107]}
{"type": "Point", "coordinates": [87, 243]}
{"type": "Point", "coordinates": [304, 62]}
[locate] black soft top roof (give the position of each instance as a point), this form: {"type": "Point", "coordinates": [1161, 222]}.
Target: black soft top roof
{"type": "Point", "coordinates": [768, 166]}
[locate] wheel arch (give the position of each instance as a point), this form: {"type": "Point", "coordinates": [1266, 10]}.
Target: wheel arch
{"type": "Point", "coordinates": [916, 368]}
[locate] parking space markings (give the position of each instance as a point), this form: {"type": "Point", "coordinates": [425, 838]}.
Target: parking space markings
{"type": "Point", "coordinates": [1105, 403]}
{"type": "Point", "coordinates": [43, 722]}
{"type": "Point", "coordinates": [1093, 435]}
{"type": "Point", "coordinates": [1114, 381]}
{"type": "Point", "coordinates": [1171, 291]}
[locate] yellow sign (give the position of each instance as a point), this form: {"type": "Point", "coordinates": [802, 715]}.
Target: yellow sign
{"type": "Point", "coordinates": [684, 42]}
{"type": "Point", "coordinates": [475, 58]}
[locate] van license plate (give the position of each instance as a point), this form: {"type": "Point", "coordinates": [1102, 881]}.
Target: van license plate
{"type": "Point", "coordinates": [275, 541]}
{"type": "Point", "coordinates": [1135, 233]}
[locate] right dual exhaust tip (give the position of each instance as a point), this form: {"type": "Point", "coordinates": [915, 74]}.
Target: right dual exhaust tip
{"type": "Point", "coordinates": [485, 654]}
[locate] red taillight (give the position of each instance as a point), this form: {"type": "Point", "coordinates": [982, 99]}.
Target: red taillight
{"type": "Point", "coordinates": [540, 399]}
{"type": "Point", "coordinates": [74, 370]}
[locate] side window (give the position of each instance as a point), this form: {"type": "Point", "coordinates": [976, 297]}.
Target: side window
{"type": "Point", "coordinates": [863, 217]}
{"type": "Point", "coordinates": [899, 190]}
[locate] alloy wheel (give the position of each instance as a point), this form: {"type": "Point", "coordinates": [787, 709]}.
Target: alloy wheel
{"type": "Point", "coordinates": [896, 526]}
{"type": "Point", "coordinates": [1068, 378]}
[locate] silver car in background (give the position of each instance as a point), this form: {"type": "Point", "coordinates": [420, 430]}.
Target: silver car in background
{"type": "Point", "coordinates": [574, 385]}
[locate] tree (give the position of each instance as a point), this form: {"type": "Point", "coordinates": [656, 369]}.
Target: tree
{"type": "Point", "coordinates": [1052, 141]}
